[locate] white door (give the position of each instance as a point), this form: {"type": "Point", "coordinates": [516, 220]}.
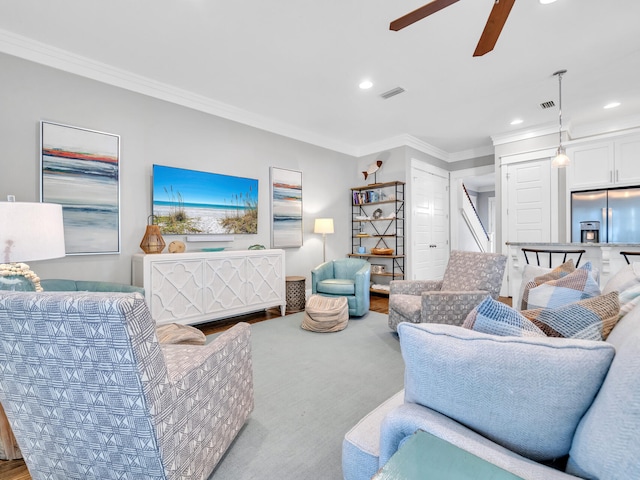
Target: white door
{"type": "Point", "coordinates": [429, 222]}
{"type": "Point", "coordinates": [529, 201]}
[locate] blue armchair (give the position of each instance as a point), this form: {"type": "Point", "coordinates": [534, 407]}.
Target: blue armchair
{"type": "Point", "coordinates": [344, 277]}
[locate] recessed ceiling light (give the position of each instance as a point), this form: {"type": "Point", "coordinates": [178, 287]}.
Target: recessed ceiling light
{"type": "Point", "coordinates": [546, 2]}
{"type": "Point", "coordinates": [366, 84]}
{"type": "Point", "coordinates": [517, 121]}
{"type": "Point", "coordinates": [612, 105]}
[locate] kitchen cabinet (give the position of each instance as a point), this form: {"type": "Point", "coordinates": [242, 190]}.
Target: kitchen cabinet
{"type": "Point", "coordinates": [609, 163]}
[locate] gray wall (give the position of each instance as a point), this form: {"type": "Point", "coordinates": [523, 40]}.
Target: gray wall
{"type": "Point", "coordinates": [154, 131]}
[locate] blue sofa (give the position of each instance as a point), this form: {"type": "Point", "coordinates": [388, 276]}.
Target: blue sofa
{"type": "Point", "coordinates": [520, 403]}
{"type": "Point", "coordinates": [344, 277]}
{"type": "Point", "coordinates": [64, 285]}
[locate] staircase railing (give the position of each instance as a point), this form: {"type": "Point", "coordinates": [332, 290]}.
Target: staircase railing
{"type": "Point", "coordinates": [472, 219]}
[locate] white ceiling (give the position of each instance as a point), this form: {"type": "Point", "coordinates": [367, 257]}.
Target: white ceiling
{"type": "Point", "coordinates": [293, 66]}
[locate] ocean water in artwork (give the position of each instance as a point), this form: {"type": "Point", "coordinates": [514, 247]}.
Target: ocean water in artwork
{"type": "Point", "coordinates": [192, 202]}
{"type": "Point", "coordinates": [287, 214]}
{"type": "Point", "coordinates": [88, 192]}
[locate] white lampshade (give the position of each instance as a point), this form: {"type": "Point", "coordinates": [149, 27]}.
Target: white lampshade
{"type": "Point", "coordinates": [31, 231]}
{"type": "Point", "coordinates": [323, 225]}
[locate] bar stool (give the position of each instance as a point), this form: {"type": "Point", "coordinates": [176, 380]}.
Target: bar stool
{"type": "Point", "coordinates": [565, 253]}
{"type": "Point", "coordinates": [624, 254]}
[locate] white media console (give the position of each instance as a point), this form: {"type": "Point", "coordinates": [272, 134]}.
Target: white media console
{"type": "Point", "coordinates": [196, 287]}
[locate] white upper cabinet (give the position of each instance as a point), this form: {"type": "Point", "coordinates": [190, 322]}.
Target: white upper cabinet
{"type": "Point", "coordinates": [605, 164]}
{"type": "Point", "coordinates": [627, 161]}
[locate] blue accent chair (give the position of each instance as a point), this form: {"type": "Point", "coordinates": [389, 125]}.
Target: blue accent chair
{"type": "Point", "coordinates": [344, 277]}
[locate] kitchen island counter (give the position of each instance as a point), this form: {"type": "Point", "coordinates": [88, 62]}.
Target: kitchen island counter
{"type": "Point", "coordinates": [605, 257]}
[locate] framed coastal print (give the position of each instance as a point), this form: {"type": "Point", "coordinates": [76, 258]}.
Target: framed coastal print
{"type": "Point", "coordinates": [193, 202]}
{"type": "Point", "coordinates": [80, 169]}
{"type": "Point", "coordinates": [286, 208]}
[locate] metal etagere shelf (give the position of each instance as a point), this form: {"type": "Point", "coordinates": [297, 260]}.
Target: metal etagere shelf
{"type": "Point", "coordinates": [378, 230]}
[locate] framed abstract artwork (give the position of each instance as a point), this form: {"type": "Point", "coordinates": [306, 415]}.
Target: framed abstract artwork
{"type": "Point", "coordinates": [286, 208]}
{"type": "Point", "coordinates": [80, 169]}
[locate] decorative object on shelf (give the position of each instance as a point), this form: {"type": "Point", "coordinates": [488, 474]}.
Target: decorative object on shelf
{"type": "Point", "coordinates": [286, 208]}
{"type": "Point", "coordinates": [213, 249]}
{"type": "Point", "coordinates": [177, 247]}
{"type": "Point", "coordinates": [377, 213]}
{"type": "Point", "coordinates": [323, 226]}
{"type": "Point", "coordinates": [152, 242]}
{"type": "Point", "coordinates": [382, 251]}
{"type": "Point", "coordinates": [80, 171]}
{"type": "Point", "coordinates": [377, 269]}
{"type": "Point", "coordinates": [561, 159]}
{"type": "Point", "coordinates": [362, 249]}
{"type": "Point", "coordinates": [373, 170]}
{"type": "Point", "coordinates": [257, 246]}
{"type": "Point", "coordinates": [30, 232]}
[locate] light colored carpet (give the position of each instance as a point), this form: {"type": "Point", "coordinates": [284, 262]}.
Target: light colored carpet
{"type": "Point", "coordinates": [310, 389]}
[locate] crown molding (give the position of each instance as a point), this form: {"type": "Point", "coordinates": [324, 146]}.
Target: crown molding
{"type": "Point", "coordinates": [28, 49]}
{"type": "Point", "coordinates": [620, 126]}
{"type": "Point", "coordinates": [404, 140]}
{"type": "Point", "coordinates": [525, 134]}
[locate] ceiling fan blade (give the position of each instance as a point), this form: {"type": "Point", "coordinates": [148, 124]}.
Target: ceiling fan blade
{"type": "Point", "coordinates": [420, 13]}
{"type": "Point", "coordinates": [492, 29]}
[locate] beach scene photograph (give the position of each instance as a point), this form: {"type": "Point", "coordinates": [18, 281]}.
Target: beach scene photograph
{"type": "Point", "coordinates": [80, 171]}
{"type": "Point", "coordinates": [286, 201]}
{"type": "Point", "coordinates": [192, 202]}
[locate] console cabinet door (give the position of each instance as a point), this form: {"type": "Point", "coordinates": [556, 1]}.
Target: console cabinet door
{"type": "Point", "coordinates": [176, 290]}
{"type": "Point", "coordinates": [264, 279]}
{"type": "Point", "coordinates": [224, 283]}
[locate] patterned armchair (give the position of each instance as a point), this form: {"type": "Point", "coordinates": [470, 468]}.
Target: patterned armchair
{"type": "Point", "coordinates": [90, 393]}
{"type": "Point", "coordinates": [468, 279]}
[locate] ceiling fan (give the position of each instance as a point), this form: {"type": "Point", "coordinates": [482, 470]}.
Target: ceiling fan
{"type": "Point", "coordinates": [490, 34]}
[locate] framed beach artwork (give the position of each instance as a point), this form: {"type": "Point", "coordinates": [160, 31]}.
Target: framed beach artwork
{"type": "Point", "coordinates": [80, 169]}
{"type": "Point", "coordinates": [191, 202]}
{"type": "Point", "coordinates": [286, 208]}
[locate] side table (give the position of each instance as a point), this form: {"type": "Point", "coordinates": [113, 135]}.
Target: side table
{"type": "Point", "coordinates": [296, 295]}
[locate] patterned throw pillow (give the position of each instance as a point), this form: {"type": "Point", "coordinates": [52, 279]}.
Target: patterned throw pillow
{"type": "Point", "coordinates": [496, 318]}
{"type": "Point", "coordinates": [570, 288]}
{"type": "Point", "coordinates": [589, 319]}
{"type": "Point", "coordinates": [528, 282]}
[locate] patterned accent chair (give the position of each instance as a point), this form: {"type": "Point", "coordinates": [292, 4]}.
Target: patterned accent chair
{"type": "Point", "coordinates": [468, 279]}
{"type": "Point", "coordinates": [90, 393]}
{"type": "Point", "coordinates": [344, 277]}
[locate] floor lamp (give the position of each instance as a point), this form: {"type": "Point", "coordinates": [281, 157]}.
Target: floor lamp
{"type": "Point", "coordinates": [323, 226]}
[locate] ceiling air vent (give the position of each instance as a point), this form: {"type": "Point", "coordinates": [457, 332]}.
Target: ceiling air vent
{"type": "Point", "coordinates": [547, 104]}
{"type": "Point", "coordinates": [392, 93]}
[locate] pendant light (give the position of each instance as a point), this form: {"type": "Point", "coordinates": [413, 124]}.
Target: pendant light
{"type": "Point", "coordinates": [561, 160]}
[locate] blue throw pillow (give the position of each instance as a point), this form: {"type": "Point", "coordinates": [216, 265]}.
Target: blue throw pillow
{"type": "Point", "coordinates": [497, 318]}
{"type": "Point", "coordinates": [526, 394]}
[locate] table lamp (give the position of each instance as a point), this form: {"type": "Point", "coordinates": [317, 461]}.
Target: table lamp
{"type": "Point", "coordinates": [323, 226]}
{"type": "Point", "coordinates": [28, 232]}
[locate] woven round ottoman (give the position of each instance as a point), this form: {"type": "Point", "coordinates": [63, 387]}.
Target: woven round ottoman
{"type": "Point", "coordinates": [326, 314]}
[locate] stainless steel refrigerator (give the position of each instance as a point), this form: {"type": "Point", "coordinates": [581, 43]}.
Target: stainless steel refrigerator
{"type": "Point", "coordinates": [617, 210]}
